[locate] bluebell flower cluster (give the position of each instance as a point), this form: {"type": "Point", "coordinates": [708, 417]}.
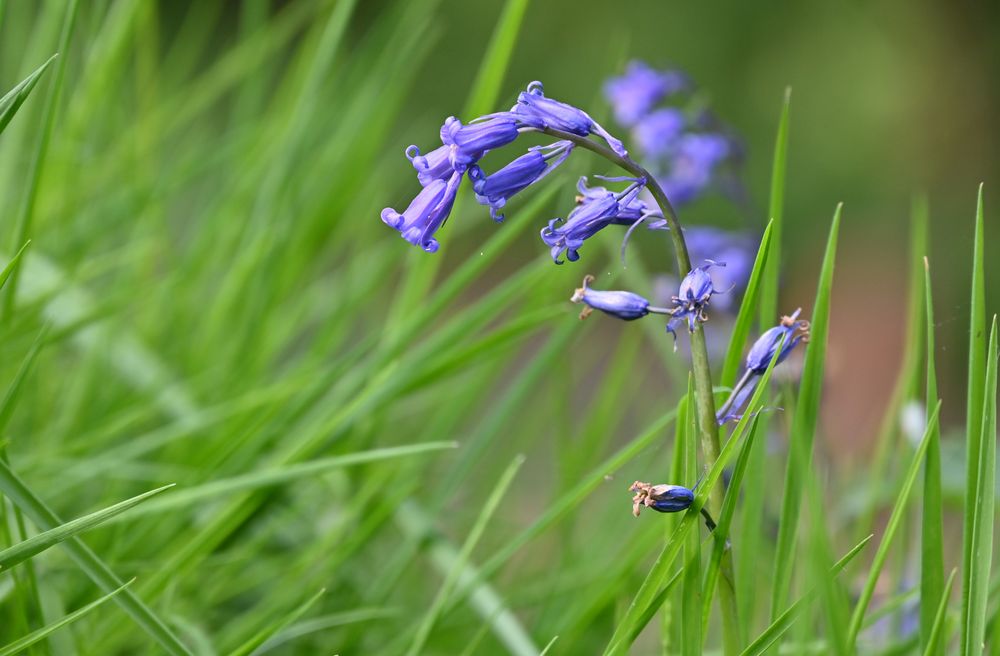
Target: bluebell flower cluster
{"type": "Point", "coordinates": [789, 332]}
{"type": "Point", "coordinates": [679, 142]}
{"type": "Point", "coordinates": [464, 145]}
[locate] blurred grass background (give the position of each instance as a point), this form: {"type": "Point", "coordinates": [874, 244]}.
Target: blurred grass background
{"type": "Point", "coordinates": [213, 298]}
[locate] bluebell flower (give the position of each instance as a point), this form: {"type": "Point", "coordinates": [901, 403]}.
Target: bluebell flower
{"type": "Point", "coordinates": [693, 296]}
{"type": "Point", "coordinates": [597, 209]}
{"type": "Point", "coordinates": [662, 498]}
{"type": "Point", "coordinates": [736, 249]}
{"type": "Point", "coordinates": [533, 109]}
{"type": "Point", "coordinates": [624, 305]}
{"type": "Point", "coordinates": [425, 214]}
{"type": "Point", "coordinates": [658, 133]}
{"type": "Point", "coordinates": [692, 166]}
{"type": "Point", "coordinates": [792, 330]}
{"type": "Point", "coordinates": [435, 165]}
{"type": "Point", "coordinates": [636, 92]}
{"type": "Point", "coordinates": [470, 142]}
{"type": "Point", "coordinates": [496, 188]}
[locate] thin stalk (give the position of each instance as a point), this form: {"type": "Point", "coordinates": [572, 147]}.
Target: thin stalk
{"type": "Point", "coordinates": [708, 429]}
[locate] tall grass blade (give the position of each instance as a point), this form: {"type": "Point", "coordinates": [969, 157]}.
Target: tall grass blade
{"type": "Point", "coordinates": [13, 99]}
{"type": "Point", "coordinates": [492, 503]}
{"type": "Point", "coordinates": [14, 488]}
{"type": "Point", "coordinates": [891, 526]}
{"type": "Point", "coordinates": [974, 412]}
{"type": "Point", "coordinates": [38, 543]}
{"type": "Point", "coordinates": [784, 621]}
{"type": "Point", "coordinates": [489, 79]}
{"type": "Point", "coordinates": [775, 214]}
{"type": "Point", "coordinates": [691, 592]}
{"type": "Point", "coordinates": [983, 500]}
{"type": "Point", "coordinates": [273, 630]}
{"type": "Point", "coordinates": [22, 225]}
{"type": "Point", "coordinates": [932, 520]}
{"type": "Point", "coordinates": [36, 636]}
{"type": "Point", "coordinates": [14, 262]}
{"type": "Point", "coordinates": [804, 426]}
{"type": "Point", "coordinates": [745, 317]}
{"type": "Point", "coordinates": [934, 638]}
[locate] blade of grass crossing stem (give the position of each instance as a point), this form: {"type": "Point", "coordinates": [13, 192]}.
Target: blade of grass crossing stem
{"type": "Point", "coordinates": [741, 329]}
{"type": "Point", "coordinates": [21, 644]}
{"type": "Point", "coordinates": [13, 99]}
{"type": "Point", "coordinates": [691, 636]}
{"type": "Point", "coordinates": [492, 503]}
{"type": "Point", "coordinates": [934, 644]}
{"type": "Point", "coordinates": [275, 628]}
{"type": "Point", "coordinates": [651, 585]}
{"type": "Point", "coordinates": [39, 543]}
{"type": "Point", "coordinates": [890, 531]}
{"type": "Point", "coordinates": [783, 622]}
{"type": "Point", "coordinates": [804, 426]}
{"type": "Point", "coordinates": [932, 521]}
{"type": "Point", "coordinates": [974, 402]}
{"type": "Point", "coordinates": [24, 217]}
{"type": "Point", "coordinates": [974, 597]}
{"type": "Point", "coordinates": [776, 210]}
{"type": "Point", "coordinates": [720, 536]}
{"type": "Point", "coordinates": [98, 572]}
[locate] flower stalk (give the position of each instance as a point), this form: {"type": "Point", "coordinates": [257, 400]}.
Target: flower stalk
{"type": "Point", "coordinates": [708, 429]}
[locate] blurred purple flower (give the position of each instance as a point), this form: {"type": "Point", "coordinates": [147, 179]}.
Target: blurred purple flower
{"type": "Point", "coordinates": [639, 89]}
{"type": "Point", "coordinates": [657, 133]}
{"type": "Point", "coordinates": [736, 249]}
{"type": "Point", "coordinates": [534, 110]}
{"type": "Point", "coordinates": [497, 188]}
{"type": "Point", "coordinates": [692, 166]}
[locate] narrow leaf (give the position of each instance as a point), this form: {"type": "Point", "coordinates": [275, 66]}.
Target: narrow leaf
{"type": "Point", "coordinates": [14, 98]}
{"type": "Point", "coordinates": [39, 543]}
{"type": "Point", "coordinates": [741, 329]}
{"type": "Point", "coordinates": [934, 644]}
{"type": "Point", "coordinates": [804, 426]}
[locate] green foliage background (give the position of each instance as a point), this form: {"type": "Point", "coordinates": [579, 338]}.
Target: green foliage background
{"type": "Point", "coordinates": [376, 450]}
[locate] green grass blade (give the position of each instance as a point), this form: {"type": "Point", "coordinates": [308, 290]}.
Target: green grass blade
{"type": "Point", "coordinates": [9, 400]}
{"type": "Point", "coordinates": [974, 407]}
{"type": "Point", "coordinates": [279, 476]}
{"type": "Point", "coordinates": [690, 610]}
{"type": "Point", "coordinates": [14, 488]}
{"type": "Point", "coordinates": [22, 226]}
{"type": "Point", "coordinates": [14, 262]}
{"type": "Point", "coordinates": [492, 503]}
{"type": "Point", "coordinates": [35, 636]}
{"type": "Point", "coordinates": [14, 98]}
{"type": "Point", "coordinates": [776, 210]}
{"type": "Point", "coordinates": [895, 518]}
{"type": "Point", "coordinates": [651, 585]}
{"type": "Point", "coordinates": [656, 604]}
{"type": "Point", "coordinates": [934, 644]}
{"type": "Point", "coordinates": [720, 536]}
{"type": "Point", "coordinates": [39, 543]}
{"type": "Point", "coordinates": [275, 628]}
{"type": "Point", "coordinates": [741, 329]}
{"type": "Point", "coordinates": [486, 87]}
{"type": "Point", "coordinates": [804, 426]}
{"type": "Point", "coordinates": [983, 499]}
{"type": "Point", "coordinates": [932, 520]}
{"type": "Point", "coordinates": [784, 621]}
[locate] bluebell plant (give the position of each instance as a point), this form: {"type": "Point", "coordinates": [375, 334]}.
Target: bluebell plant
{"type": "Point", "coordinates": [686, 151]}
